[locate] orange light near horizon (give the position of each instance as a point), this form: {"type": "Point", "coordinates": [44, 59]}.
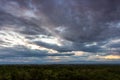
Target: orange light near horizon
{"type": "Point", "coordinates": [110, 57]}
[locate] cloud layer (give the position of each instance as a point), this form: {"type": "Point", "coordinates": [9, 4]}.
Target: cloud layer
{"type": "Point", "coordinates": [52, 31]}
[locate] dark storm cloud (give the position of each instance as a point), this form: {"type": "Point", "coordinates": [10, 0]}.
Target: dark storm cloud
{"type": "Point", "coordinates": [79, 25]}
{"type": "Point", "coordinates": [85, 20]}
{"type": "Point", "coordinates": [21, 51]}
{"type": "Point", "coordinates": [15, 22]}
{"type": "Point", "coordinates": [115, 45]}
{"type": "Point", "coordinates": [58, 48]}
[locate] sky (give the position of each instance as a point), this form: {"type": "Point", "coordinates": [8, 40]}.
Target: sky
{"type": "Point", "coordinates": [59, 31]}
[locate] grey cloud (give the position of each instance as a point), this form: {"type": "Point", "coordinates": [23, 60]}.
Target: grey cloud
{"type": "Point", "coordinates": [58, 48]}
{"type": "Point", "coordinates": [117, 45]}
{"type": "Point", "coordinates": [82, 22]}
{"type": "Point", "coordinates": [87, 21]}
{"type": "Point", "coordinates": [24, 52]}
{"type": "Point", "coordinates": [28, 27]}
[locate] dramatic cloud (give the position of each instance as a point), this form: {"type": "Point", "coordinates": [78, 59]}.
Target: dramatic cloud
{"type": "Point", "coordinates": [59, 31]}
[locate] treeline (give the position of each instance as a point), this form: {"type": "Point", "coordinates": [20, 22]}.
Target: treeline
{"type": "Point", "coordinates": [60, 72]}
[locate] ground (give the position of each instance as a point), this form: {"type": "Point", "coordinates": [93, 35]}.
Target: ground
{"type": "Point", "coordinates": [60, 72]}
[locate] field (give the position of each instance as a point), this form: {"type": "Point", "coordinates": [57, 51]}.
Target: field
{"type": "Point", "coordinates": [60, 72]}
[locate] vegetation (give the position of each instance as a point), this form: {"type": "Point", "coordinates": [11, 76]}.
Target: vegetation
{"type": "Point", "coordinates": [60, 72]}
